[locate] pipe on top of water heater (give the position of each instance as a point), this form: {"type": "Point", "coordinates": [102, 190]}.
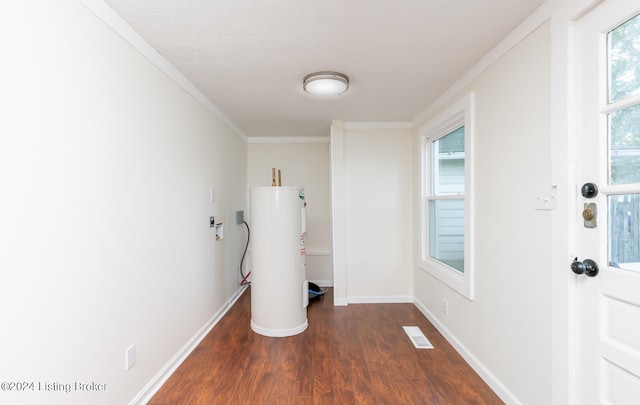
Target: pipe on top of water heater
{"type": "Point", "coordinates": [273, 177]}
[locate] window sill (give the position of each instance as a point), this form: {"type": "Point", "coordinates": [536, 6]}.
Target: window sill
{"type": "Point", "coordinates": [462, 283]}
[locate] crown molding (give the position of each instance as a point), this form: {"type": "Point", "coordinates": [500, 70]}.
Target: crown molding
{"type": "Point", "coordinates": [527, 26]}
{"type": "Point", "coordinates": [288, 139]}
{"type": "Point", "coordinates": [378, 125]}
{"type": "Point", "coordinates": [105, 13]}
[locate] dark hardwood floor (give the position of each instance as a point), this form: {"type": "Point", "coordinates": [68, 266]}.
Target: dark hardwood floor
{"type": "Point", "coordinates": [357, 354]}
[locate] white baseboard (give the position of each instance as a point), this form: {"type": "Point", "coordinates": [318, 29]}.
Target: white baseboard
{"type": "Point", "coordinates": [322, 283]}
{"type": "Point", "coordinates": [156, 382]}
{"type": "Point", "coordinates": [479, 368]}
{"type": "Point", "coordinates": [319, 268]}
{"type": "Point", "coordinates": [383, 299]}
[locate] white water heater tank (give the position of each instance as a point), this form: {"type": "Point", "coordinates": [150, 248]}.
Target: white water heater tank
{"type": "Point", "coordinates": [279, 289]}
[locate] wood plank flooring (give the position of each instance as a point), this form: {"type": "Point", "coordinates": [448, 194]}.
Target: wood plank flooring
{"type": "Point", "coordinates": [357, 354]}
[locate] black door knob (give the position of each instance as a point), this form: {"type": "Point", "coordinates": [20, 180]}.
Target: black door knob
{"type": "Point", "coordinates": [587, 267]}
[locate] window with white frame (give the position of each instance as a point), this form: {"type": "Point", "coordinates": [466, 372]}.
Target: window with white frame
{"type": "Point", "coordinates": [446, 198]}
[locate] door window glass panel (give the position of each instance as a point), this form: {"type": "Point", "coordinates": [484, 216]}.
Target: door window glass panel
{"type": "Point", "coordinates": [624, 60]}
{"type": "Point", "coordinates": [624, 146]}
{"type": "Point", "coordinates": [624, 231]}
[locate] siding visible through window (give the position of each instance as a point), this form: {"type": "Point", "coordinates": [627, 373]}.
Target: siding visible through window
{"type": "Point", "coordinates": [446, 217]}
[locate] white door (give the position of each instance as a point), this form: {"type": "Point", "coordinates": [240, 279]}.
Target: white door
{"type": "Point", "coordinates": [608, 156]}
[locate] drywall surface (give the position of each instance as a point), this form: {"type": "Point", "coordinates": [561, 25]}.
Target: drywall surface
{"type": "Point", "coordinates": [378, 214]}
{"type": "Point", "coordinates": [106, 173]}
{"type": "Point", "coordinates": [507, 327]}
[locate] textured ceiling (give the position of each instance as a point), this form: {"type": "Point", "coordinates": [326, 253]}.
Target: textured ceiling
{"type": "Point", "coordinates": [249, 56]}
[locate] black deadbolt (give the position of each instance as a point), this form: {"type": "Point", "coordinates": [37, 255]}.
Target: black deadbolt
{"type": "Point", "coordinates": [589, 190]}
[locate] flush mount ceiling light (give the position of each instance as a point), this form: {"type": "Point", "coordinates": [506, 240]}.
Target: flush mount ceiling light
{"type": "Point", "coordinates": [326, 83]}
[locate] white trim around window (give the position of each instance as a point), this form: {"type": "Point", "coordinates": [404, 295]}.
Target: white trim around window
{"type": "Point", "coordinates": [457, 115]}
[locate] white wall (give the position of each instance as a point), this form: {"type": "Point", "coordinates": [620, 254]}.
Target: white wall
{"type": "Point", "coordinates": [507, 327]}
{"type": "Point", "coordinates": [376, 167]}
{"type": "Point", "coordinates": [301, 164]}
{"type": "Point", "coordinates": [106, 167]}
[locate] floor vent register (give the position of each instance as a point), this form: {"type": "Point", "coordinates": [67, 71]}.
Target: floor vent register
{"type": "Point", "coordinates": [418, 338]}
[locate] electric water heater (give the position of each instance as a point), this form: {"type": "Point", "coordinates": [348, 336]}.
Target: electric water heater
{"type": "Point", "coordinates": [279, 289]}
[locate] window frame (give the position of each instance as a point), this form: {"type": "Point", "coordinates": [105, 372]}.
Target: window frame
{"type": "Point", "coordinates": [460, 113]}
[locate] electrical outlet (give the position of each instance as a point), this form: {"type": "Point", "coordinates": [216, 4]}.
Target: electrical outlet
{"type": "Point", "coordinates": [445, 306]}
{"type": "Point", "coordinates": [130, 357]}
{"type": "Point", "coordinates": [239, 217]}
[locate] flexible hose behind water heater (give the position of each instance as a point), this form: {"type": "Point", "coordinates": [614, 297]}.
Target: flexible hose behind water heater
{"type": "Point", "coordinates": [244, 278]}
